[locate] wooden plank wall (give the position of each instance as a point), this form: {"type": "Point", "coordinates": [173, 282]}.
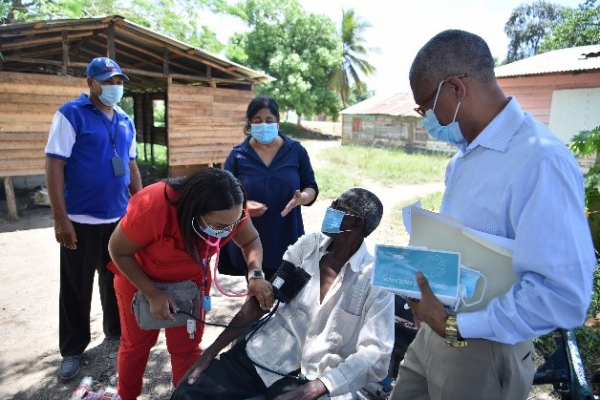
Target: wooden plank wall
{"type": "Point", "coordinates": [204, 123]}
{"type": "Point", "coordinates": [534, 93]}
{"type": "Point", "coordinates": [28, 103]}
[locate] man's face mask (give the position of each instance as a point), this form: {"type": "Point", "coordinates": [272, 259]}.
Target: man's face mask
{"type": "Point", "coordinates": [450, 133]}
{"type": "Point", "coordinates": [111, 94]}
{"type": "Point", "coordinates": [332, 221]}
{"type": "Point", "coordinates": [264, 133]}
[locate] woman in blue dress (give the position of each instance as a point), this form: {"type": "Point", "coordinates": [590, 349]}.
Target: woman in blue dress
{"type": "Point", "coordinates": [276, 172]}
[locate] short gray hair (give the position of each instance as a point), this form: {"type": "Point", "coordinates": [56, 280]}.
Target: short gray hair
{"type": "Point", "coordinates": [367, 205]}
{"type": "Point", "coordinates": [453, 52]}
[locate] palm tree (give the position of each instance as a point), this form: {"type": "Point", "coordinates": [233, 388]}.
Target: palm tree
{"type": "Point", "coordinates": [354, 53]}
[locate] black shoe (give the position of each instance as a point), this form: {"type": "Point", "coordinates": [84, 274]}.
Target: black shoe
{"type": "Point", "coordinates": [69, 367]}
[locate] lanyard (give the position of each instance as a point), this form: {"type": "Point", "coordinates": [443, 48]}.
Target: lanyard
{"type": "Point", "coordinates": [112, 133]}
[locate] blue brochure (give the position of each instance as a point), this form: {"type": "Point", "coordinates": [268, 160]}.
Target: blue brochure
{"type": "Point", "coordinates": [395, 269]}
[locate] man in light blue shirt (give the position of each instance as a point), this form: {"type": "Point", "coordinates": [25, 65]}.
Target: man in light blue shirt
{"type": "Point", "coordinates": [513, 178]}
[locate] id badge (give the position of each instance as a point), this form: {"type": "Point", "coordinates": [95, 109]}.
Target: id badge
{"type": "Point", "coordinates": [118, 166]}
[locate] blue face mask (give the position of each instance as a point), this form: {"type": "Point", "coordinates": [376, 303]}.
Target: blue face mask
{"type": "Point", "coordinates": [111, 94]}
{"type": "Point", "coordinates": [468, 280]}
{"type": "Point", "coordinates": [264, 133]}
{"type": "Point", "coordinates": [449, 133]}
{"type": "Point", "coordinates": [218, 234]}
{"type": "Point", "coordinates": [209, 230]}
{"type": "Point", "coordinates": [332, 221]}
{"type": "Point", "coordinates": [467, 285]}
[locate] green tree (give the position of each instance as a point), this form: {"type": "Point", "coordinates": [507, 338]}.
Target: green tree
{"type": "Point", "coordinates": [527, 26]}
{"type": "Point", "coordinates": [579, 27]}
{"type": "Point", "coordinates": [21, 10]}
{"type": "Point", "coordinates": [586, 144]}
{"type": "Point", "coordinates": [299, 49]}
{"type": "Point", "coordinates": [179, 19]}
{"type": "Point", "coordinates": [354, 54]}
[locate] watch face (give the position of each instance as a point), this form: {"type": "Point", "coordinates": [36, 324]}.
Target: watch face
{"type": "Point", "coordinates": [258, 274]}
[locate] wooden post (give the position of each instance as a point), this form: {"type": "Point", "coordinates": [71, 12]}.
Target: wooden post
{"type": "Point", "coordinates": [11, 200]}
{"type": "Point", "coordinates": [165, 61]}
{"type": "Point", "coordinates": [65, 48]}
{"type": "Point", "coordinates": [148, 118]}
{"type": "Point", "coordinates": [139, 123]}
{"type": "Point", "coordinates": [110, 42]}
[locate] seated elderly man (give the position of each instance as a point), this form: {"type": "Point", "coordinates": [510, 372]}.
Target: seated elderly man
{"type": "Point", "coordinates": [331, 338]}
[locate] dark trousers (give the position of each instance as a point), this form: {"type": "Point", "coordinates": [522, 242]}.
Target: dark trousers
{"type": "Point", "coordinates": [77, 270]}
{"type": "Point", "coordinates": [233, 377]}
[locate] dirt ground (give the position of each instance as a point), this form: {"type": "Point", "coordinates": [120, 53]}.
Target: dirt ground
{"type": "Point", "coordinates": [29, 285]}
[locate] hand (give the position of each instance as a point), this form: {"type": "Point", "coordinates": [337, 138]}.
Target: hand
{"type": "Point", "coordinates": [198, 368]}
{"type": "Point", "coordinates": [309, 391]}
{"type": "Point", "coordinates": [255, 209]}
{"type": "Point", "coordinates": [64, 232]}
{"type": "Point", "coordinates": [429, 309]}
{"type": "Point", "coordinates": [161, 306]}
{"type": "Point", "coordinates": [295, 201]}
{"type": "Point", "coordinates": [263, 291]}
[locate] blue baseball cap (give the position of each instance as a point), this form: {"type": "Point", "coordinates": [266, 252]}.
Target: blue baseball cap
{"type": "Point", "coordinates": [103, 68]}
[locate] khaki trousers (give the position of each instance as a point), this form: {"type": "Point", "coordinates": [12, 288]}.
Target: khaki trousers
{"type": "Point", "coordinates": [483, 370]}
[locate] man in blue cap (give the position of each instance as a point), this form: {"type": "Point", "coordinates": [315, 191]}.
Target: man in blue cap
{"type": "Point", "coordinates": [90, 173]}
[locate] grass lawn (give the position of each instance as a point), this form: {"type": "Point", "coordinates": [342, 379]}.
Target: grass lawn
{"type": "Point", "coordinates": [348, 166]}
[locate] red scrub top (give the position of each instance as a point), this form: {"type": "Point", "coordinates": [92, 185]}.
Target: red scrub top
{"type": "Point", "coordinates": [151, 221]}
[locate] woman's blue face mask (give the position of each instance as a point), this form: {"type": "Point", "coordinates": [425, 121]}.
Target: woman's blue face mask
{"type": "Point", "coordinates": [209, 230]}
{"type": "Point", "coordinates": [264, 133]}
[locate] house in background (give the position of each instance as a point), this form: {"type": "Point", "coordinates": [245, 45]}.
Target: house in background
{"type": "Point", "coordinates": [561, 88]}
{"type": "Point", "coordinates": [388, 121]}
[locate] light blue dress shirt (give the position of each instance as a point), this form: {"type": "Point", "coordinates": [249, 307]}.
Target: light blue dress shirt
{"type": "Point", "coordinates": [518, 180]}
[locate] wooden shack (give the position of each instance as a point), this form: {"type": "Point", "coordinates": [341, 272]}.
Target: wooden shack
{"type": "Point", "coordinates": [43, 65]}
{"type": "Point", "coordinates": [388, 121]}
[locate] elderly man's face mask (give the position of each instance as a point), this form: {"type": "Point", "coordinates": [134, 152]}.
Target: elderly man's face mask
{"type": "Point", "coordinates": [334, 217]}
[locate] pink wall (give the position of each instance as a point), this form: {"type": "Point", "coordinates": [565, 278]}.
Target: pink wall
{"type": "Point", "coordinates": [534, 92]}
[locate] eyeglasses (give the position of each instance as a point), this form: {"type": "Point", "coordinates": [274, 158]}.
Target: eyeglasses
{"type": "Point", "coordinates": [421, 110]}
{"type": "Point", "coordinates": [228, 228]}
{"type": "Point", "coordinates": [340, 206]}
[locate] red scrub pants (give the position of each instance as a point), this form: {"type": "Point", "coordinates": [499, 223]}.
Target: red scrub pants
{"type": "Point", "coordinates": [136, 344]}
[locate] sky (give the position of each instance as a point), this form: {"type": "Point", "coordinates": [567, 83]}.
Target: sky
{"type": "Point", "coordinates": [401, 27]}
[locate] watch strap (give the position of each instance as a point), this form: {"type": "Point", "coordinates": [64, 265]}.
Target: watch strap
{"type": "Point", "coordinates": [452, 339]}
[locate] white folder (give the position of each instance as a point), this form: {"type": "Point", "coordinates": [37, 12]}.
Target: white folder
{"type": "Point", "coordinates": [489, 254]}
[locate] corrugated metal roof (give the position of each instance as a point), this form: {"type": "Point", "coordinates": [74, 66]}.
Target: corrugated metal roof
{"type": "Point", "coordinates": [399, 104]}
{"type": "Point", "coordinates": [574, 59]}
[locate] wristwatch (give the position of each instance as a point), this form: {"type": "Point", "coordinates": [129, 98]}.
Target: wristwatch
{"type": "Point", "coordinates": [256, 274]}
{"type": "Point", "coordinates": [452, 339]}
